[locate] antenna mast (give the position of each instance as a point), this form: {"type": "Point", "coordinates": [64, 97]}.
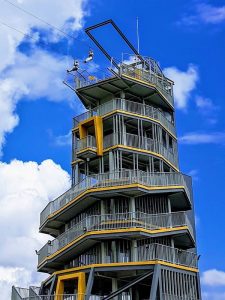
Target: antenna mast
{"type": "Point", "coordinates": [138, 40]}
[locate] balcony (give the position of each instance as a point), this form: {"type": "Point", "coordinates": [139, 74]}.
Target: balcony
{"type": "Point", "coordinates": [142, 143]}
{"type": "Point", "coordinates": [86, 147]}
{"type": "Point", "coordinates": [164, 85]}
{"type": "Point", "coordinates": [95, 223]}
{"type": "Point", "coordinates": [116, 179]}
{"type": "Point", "coordinates": [150, 79]}
{"type": "Point", "coordinates": [130, 107]}
{"type": "Point", "coordinates": [145, 253]}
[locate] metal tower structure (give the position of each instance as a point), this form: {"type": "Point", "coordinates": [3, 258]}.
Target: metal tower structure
{"type": "Point", "coordinates": [125, 230]}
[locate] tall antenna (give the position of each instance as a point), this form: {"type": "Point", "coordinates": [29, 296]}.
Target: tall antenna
{"type": "Point", "coordinates": [138, 41]}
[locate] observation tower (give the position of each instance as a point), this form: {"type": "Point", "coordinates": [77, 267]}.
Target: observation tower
{"type": "Point", "coordinates": [125, 230]}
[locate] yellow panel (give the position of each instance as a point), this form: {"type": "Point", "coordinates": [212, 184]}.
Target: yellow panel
{"type": "Point", "coordinates": [98, 126]}
{"type": "Point", "coordinates": [81, 285]}
{"type": "Point", "coordinates": [82, 131]}
{"type": "Point", "coordinates": [99, 134]}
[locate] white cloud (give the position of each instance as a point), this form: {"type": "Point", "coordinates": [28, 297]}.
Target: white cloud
{"type": "Point", "coordinates": [194, 174]}
{"type": "Point", "coordinates": [213, 295]}
{"type": "Point", "coordinates": [185, 83]}
{"type": "Point", "coordinates": [63, 140]}
{"type": "Point", "coordinates": [26, 187]}
{"type": "Point", "coordinates": [205, 14]}
{"type": "Point", "coordinates": [38, 74]}
{"type": "Point", "coordinates": [204, 103]}
{"type": "Point", "coordinates": [33, 77]}
{"type": "Point", "coordinates": [213, 278]}
{"type": "Point", "coordinates": [193, 138]}
{"type": "Point", "coordinates": [211, 14]}
{"type": "Point", "coordinates": [54, 12]}
{"type": "Point", "coordinates": [207, 109]}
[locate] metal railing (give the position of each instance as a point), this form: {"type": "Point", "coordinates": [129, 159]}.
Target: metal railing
{"type": "Point", "coordinates": [87, 142]}
{"type": "Point", "coordinates": [149, 76]}
{"type": "Point", "coordinates": [113, 222]}
{"type": "Point", "coordinates": [70, 297]}
{"type": "Point", "coordinates": [161, 82]}
{"type": "Point", "coordinates": [126, 296]}
{"type": "Point", "coordinates": [117, 178]}
{"type": "Point", "coordinates": [148, 252]}
{"type": "Point", "coordinates": [143, 143]}
{"type": "Point", "coordinates": [127, 106]}
{"type": "Point", "coordinates": [174, 297]}
{"type": "Point", "coordinates": [168, 254]}
{"type": "Point", "coordinates": [56, 297]}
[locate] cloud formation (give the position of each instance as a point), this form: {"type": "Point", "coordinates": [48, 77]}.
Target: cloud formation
{"type": "Point", "coordinates": [26, 188]}
{"type": "Point", "coordinates": [205, 14]}
{"type": "Point", "coordinates": [185, 83]}
{"type": "Point", "coordinates": [213, 278]}
{"type": "Point", "coordinates": [37, 74]}
{"type": "Point", "coordinates": [195, 138]}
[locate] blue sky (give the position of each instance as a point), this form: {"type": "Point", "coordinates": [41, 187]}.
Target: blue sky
{"type": "Point", "coordinates": [36, 109]}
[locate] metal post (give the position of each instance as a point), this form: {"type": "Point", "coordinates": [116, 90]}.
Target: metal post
{"type": "Point", "coordinates": [90, 284]}
{"type": "Point", "coordinates": [155, 282]}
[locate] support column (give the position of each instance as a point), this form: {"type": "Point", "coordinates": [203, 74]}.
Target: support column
{"type": "Point", "coordinates": [111, 162]}
{"type": "Point", "coordinates": [114, 286]}
{"type": "Point", "coordinates": [90, 284]}
{"type": "Point", "coordinates": [155, 282]}
{"type": "Point", "coordinates": [103, 253]}
{"type": "Point", "coordinates": [114, 254]}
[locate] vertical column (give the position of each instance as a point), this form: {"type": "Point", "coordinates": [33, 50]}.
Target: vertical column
{"type": "Point", "coordinates": [114, 287]}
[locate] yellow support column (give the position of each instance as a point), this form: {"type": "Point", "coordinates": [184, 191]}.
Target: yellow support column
{"type": "Point", "coordinates": [99, 135]}
{"type": "Point", "coordinates": [81, 284]}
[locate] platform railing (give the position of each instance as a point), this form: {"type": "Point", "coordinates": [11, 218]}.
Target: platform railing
{"type": "Point", "coordinates": [145, 252]}
{"type": "Point", "coordinates": [127, 106]}
{"type": "Point", "coordinates": [117, 178]}
{"type": "Point", "coordinates": [87, 142]}
{"type": "Point", "coordinates": [130, 140]}
{"type": "Point", "coordinates": [56, 297]}
{"type": "Point", "coordinates": [164, 85]}
{"type": "Point", "coordinates": [116, 221]}
{"type": "Point", "coordinates": [175, 297]}
{"type": "Point", "coordinates": [126, 296]}
{"type": "Point", "coordinates": [143, 143]}
{"type": "Point", "coordinates": [168, 254]}
{"type": "Point", "coordinates": [161, 82]}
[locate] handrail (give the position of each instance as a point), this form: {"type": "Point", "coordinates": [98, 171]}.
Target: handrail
{"type": "Point", "coordinates": [131, 140]}
{"type": "Point", "coordinates": [117, 178]}
{"type": "Point", "coordinates": [143, 143]}
{"type": "Point", "coordinates": [161, 82]}
{"type": "Point", "coordinates": [147, 252]}
{"type": "Point", "coordinates": [129, 106]}
{"type": "Point", "coordinates": [88, 142]}
{"type": "Point", "coordinates": [113, 222]}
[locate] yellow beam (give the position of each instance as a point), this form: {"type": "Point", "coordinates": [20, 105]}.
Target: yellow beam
{"type": "Point", "coordinates": [142, 151]}
{"type": "Point", "coordinates": [99, 134]}
{"type": "Point", "coordinates": [113, 231]}
{"type": "Point", "coordinates": [128, 186]}
{"type": "Point", "coordinates": [140, 263]}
